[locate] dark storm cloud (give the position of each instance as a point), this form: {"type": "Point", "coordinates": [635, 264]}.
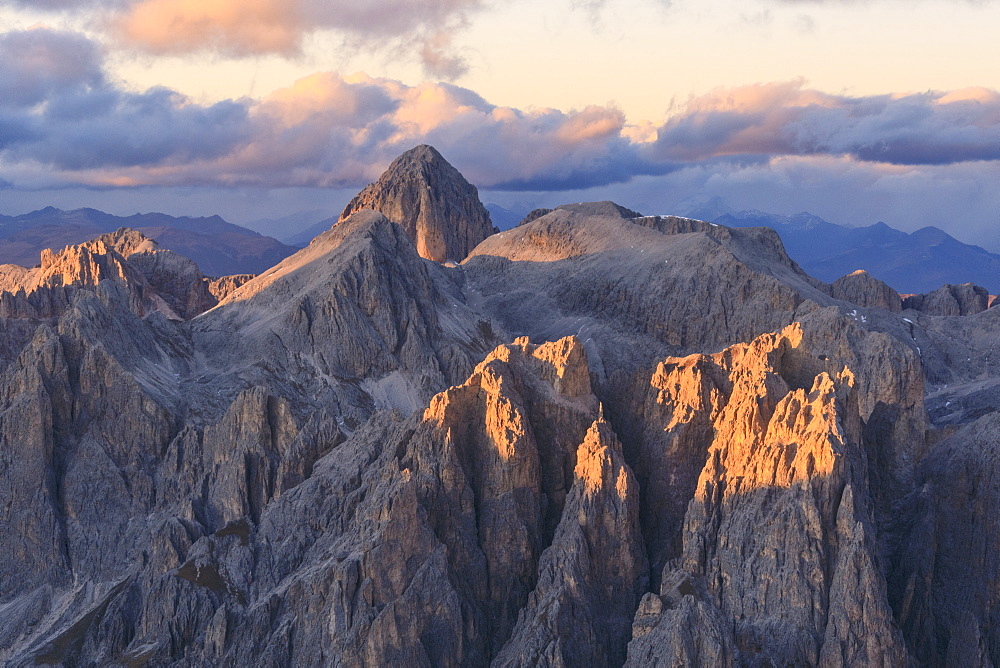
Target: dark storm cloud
{"type": "Point", "coordinates": [107, 129]}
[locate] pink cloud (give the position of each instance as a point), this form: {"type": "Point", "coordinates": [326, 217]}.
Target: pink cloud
{"type": "Point", "coordinates": [61, 114]}
{"type": "Point", "coordinates": [239, 28]}
{"type": "Point", "coordinates": [786, 119]}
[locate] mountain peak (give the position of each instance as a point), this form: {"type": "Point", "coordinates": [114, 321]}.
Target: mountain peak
{"type": "Point", "coordinates": [424, 152]}
{"type": "Point", "coordinates": [439, 209]}
{"type": "Point", "coordinates": [604, 208]}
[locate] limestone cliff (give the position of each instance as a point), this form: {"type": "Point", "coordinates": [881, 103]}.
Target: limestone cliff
{"type": "Point", "coordinates": [157, 279]}
{"type": "Point", "coordinates": [224, 285]}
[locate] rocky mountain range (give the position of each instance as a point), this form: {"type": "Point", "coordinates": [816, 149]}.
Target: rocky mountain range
{"type": "Point", "coordinates": [598, 438]}
{"type": "Point", "coordinates": [217, 247]}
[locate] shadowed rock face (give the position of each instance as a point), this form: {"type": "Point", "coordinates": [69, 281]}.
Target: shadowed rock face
{"type": "Point", "coordinates": [944, 583]}
{"type": "Point", "coordinates": [439, 210]}
{"type": "Point", "coordinates": [603, 439]}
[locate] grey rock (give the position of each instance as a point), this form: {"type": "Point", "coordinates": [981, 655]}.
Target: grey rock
{"type": "Point", "coordinates": [947, 566]}
{"type": "Point", "coordinates": [681, 626]}
{"type": "Point", "coordinates": [224, 285]}
{"type": "Point", "coordinates": [591, 577]}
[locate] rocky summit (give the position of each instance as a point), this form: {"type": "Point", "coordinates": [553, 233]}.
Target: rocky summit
{"type": "Point", "coordinates": [601, 439]}
{"type": "Point", "coordinates": [439, 210]}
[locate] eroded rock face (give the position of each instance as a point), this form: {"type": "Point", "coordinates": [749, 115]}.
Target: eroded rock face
{"type": "Point", "coordinates": [591, 576]}
{"type": "Point", "coordinates": [681, 626]}
{"type": "Point", "coordinates": [518, 440]}
{"type": "Point", "coordinates": [781, 467]}
{"type": "Point", "coordinates": [439, 210]}
{"type": "Point", "coordinates": [223, 286]}
{"type": "Point", "coordinates": [357, 309]}
{"type": "Point", "coordinates": [46, 291]}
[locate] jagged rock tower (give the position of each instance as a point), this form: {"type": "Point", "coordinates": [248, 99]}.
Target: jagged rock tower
{"type": "Point", "coordinates": [432, 201]}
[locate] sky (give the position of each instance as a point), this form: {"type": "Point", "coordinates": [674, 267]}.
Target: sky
{"type": "Point", "coordinates": [854, 110]}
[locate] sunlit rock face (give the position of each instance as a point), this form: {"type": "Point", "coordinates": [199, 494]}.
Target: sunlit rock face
{"type": "Point", "coordinates": [774, 536]}
{"type": "Point", "coordinates": [601, 439]}
{"type": "Point", "coordinates": [439, 210]}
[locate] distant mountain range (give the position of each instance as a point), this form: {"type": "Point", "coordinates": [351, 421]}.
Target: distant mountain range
{"type": "Point", "coordinates": [505, 218]}
{"type": "Point", "coordinates": [916, 262]}
{"type": "Point", "coordinates": [302, 238]}
{"type": "Point", "coordinates": [219, 248]}
{"type": "Point", "coordinates": [290, 226]}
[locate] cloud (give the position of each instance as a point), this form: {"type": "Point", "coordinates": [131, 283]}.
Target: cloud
{"type": "Point", "coordinates": [61, 5]}
{"type": "Point", "coordinates": [423, 29]}
{"type": "Point", "coordinates": [787, 119]}
{"type": "Point", "coordinates": [873, 2]}
{"type": "Point", "coordinates": [959, 198]}
{"type": "Point", "coordinates": [112, 129]}
{"type": "Point", "coordinates": [39, 63]}
{"type": "Point", "coordinates": [236, 27]}
{"type": "Point", "coordinates": [249, 27]}
{"type": "Point", "coordinates": [334, 131]}
{"type": "Point", "coordinates": [58, 109]}
{"type": "Point", "coordinates": [323, 131]}
{"type": "Point", "coordinates": [63, 120]}
{"type": "Point", "coordinates": [911, 160]}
